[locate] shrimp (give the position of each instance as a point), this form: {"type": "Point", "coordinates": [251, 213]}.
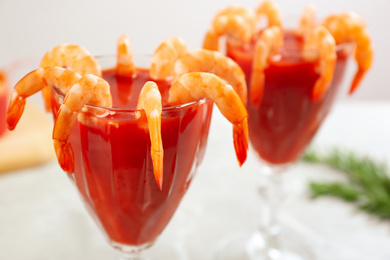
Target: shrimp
{"type": "Point", "coordinates": [89, 89]}
{"type": "Point", "coordinates": [272, 11]}
{"type": "Point", "coordinates": [33, 83]}
{"type": "Point", "coordinates": [214, 62]}
{"type": "Point", "coordinates": [350, 27]}
{"type": "Point", "coordinates": [235, 21]}
{"type": "Point", "coordinates": [308, 20]}
{"type": "Point", "coordinates": [70, 56]}
{"type": "Point", "coordinates": [150, 101]}
{"type": "Point", "coordinates": [196, 85]}
{"type": "Point", "coordinates": [320, 39]}
{"type": "Point", "coordinates": [165, 56]}
{"type": "Point", "coordinates": [268, 44]}
{"type": "Point", "coordinates": [211, 41]}
{"type": "Point", "coordinates": [125, 62]}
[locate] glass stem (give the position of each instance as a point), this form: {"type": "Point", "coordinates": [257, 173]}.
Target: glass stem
{"type": "Point", "coordinates": [264, 243]}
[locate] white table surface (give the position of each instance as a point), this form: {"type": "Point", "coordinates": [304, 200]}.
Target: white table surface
{"type": "Point", "coordinates": [41, 216]}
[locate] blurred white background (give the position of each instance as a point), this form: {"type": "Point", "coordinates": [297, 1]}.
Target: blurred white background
{"type": "Point", "coordinates": [29, 28]}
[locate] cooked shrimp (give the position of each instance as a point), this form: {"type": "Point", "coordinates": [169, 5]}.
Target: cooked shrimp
{"type": "Point", "coordinates": [125, 62]}
{"type": "Point", "coordinates": [214, 62]}
{"type": "Point", "coordinates": [308, 20]}
{"type": "Point", "coordinates": [234, 21]}
{"type": "Point", "coordinates": [69, 56]}
{"type": "Point", "coordinates": [33, 83]}
{"type": "Point", "coordinates": [165, 56]}
{"type": "Point", "coordinates": [272, 11]}
{"type": "Point", "coordinates": [89, 89]}
{"type": "Point", "coordinates": [268, 44]}
{"type": "Point", "coordinates": [195, 85]}
{"type": "Point", "coordinates": [74, 57]}
{"type": "Point", "coordinates": [211, 41]}
{"type": "Point", "coordinates": [150, 101]}
{"type": "Point", "coordinates": [320, 39]}
{"type": "Point", "coordinates": [350, 27]}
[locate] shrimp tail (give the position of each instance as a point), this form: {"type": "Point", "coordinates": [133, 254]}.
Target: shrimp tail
{"type": "Point", "coordinates": [90, 89]}
{"type": "Point", "coordinates": [15, 110]}
{"type": "Point", "coordinates": [158, 167]}
{"type": "Point", "coordinates": [61, 135]}
{"type": "Point", "coordinates": [240, 137]}
{"type": "Point", "coordinates": [27, 86]}
{"type": "Point", "coordinates": [357, 79]}
{"type": "Point", "coordinates": [64, 154]}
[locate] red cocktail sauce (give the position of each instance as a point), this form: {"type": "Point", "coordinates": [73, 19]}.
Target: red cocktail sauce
{"type": "Point", "coordinates": [284, 123]}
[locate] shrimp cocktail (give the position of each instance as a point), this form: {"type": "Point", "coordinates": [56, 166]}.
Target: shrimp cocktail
{"type": "Point", "coordinates": [130, 136]}
{"type": "Point", "coordinates": [293, 76]}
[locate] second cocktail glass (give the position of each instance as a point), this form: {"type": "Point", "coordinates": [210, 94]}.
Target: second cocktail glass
{"type": "Point", "coordinates": [113, 168]}
{"type": "Point", "coordinates": [293, 76]}
{"type": "Point", "coordinates": [280, 128]}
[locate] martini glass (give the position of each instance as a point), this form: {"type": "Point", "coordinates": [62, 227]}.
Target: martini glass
{"type": "Point", "coordinates": [113, 170]}
{"type": "Point", "coordinates": [280, 128]}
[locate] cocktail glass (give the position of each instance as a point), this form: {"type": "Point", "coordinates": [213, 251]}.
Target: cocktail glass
{"type": "Point", "coordinates": [113, 170]}
{"type": "Point", "coordinates": [280, 128]}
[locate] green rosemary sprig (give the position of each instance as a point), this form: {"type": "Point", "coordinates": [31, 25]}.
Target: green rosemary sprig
{"type": "Point", "coordinates": [368, 184]}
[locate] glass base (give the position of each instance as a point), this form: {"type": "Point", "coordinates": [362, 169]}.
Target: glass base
{"type": "Point", "coordinates": [241, 246]}
{"type": "Point", "coordinates": [130, 249]}
{"type": "Point", "coordinates": [164, 248]}
{"type": "Point", "coordinates": [130, 252]}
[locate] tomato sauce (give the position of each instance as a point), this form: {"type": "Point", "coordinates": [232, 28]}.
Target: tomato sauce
{"type": "Point", "coordinates": [113, 166]}
{"type": "Point", "coordinates": [285, 121]}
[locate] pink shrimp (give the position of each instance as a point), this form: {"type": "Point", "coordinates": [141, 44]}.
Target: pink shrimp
{"type": "Point", "coordinates": [90, 89]}
{"type": "Point", "coordinates": [320, 39]}
{"type": "Point", "coordinates": [308, 20]}
{"type": "Point", "coordinates": [214, 62]}
{"type": "Point", "coordinates": [165, 56]}
{"type": "Point", "coordinates": [33, 83]}
{"type": "Point", "coordinates": [350, 27]}
{"type": "Point", "coordinates": [125, 62]}
{"type": "Point", "coordinates": [70, 56]}
{"type": "Point", "coordinates": [268, 44]}
{"type": "Point", "coordinates": [272, 11]}
{"type": "Point", "coordinates": [195, 85]}
{"type": "Point", "coordinates": [150, 101]}
{"type": "Point", "coordinates": [234, 21]}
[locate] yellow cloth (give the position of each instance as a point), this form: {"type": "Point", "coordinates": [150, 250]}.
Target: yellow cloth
{"type": "Point", "coordinates": [30, 143]}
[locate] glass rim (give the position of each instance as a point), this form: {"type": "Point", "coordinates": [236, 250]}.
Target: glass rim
{"type": "Point", "coordinates": [338, 47]}
{"type": "Point", "coordinates": [132, 110]}
{"type": "Point", "coordinates": [291, 18]}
